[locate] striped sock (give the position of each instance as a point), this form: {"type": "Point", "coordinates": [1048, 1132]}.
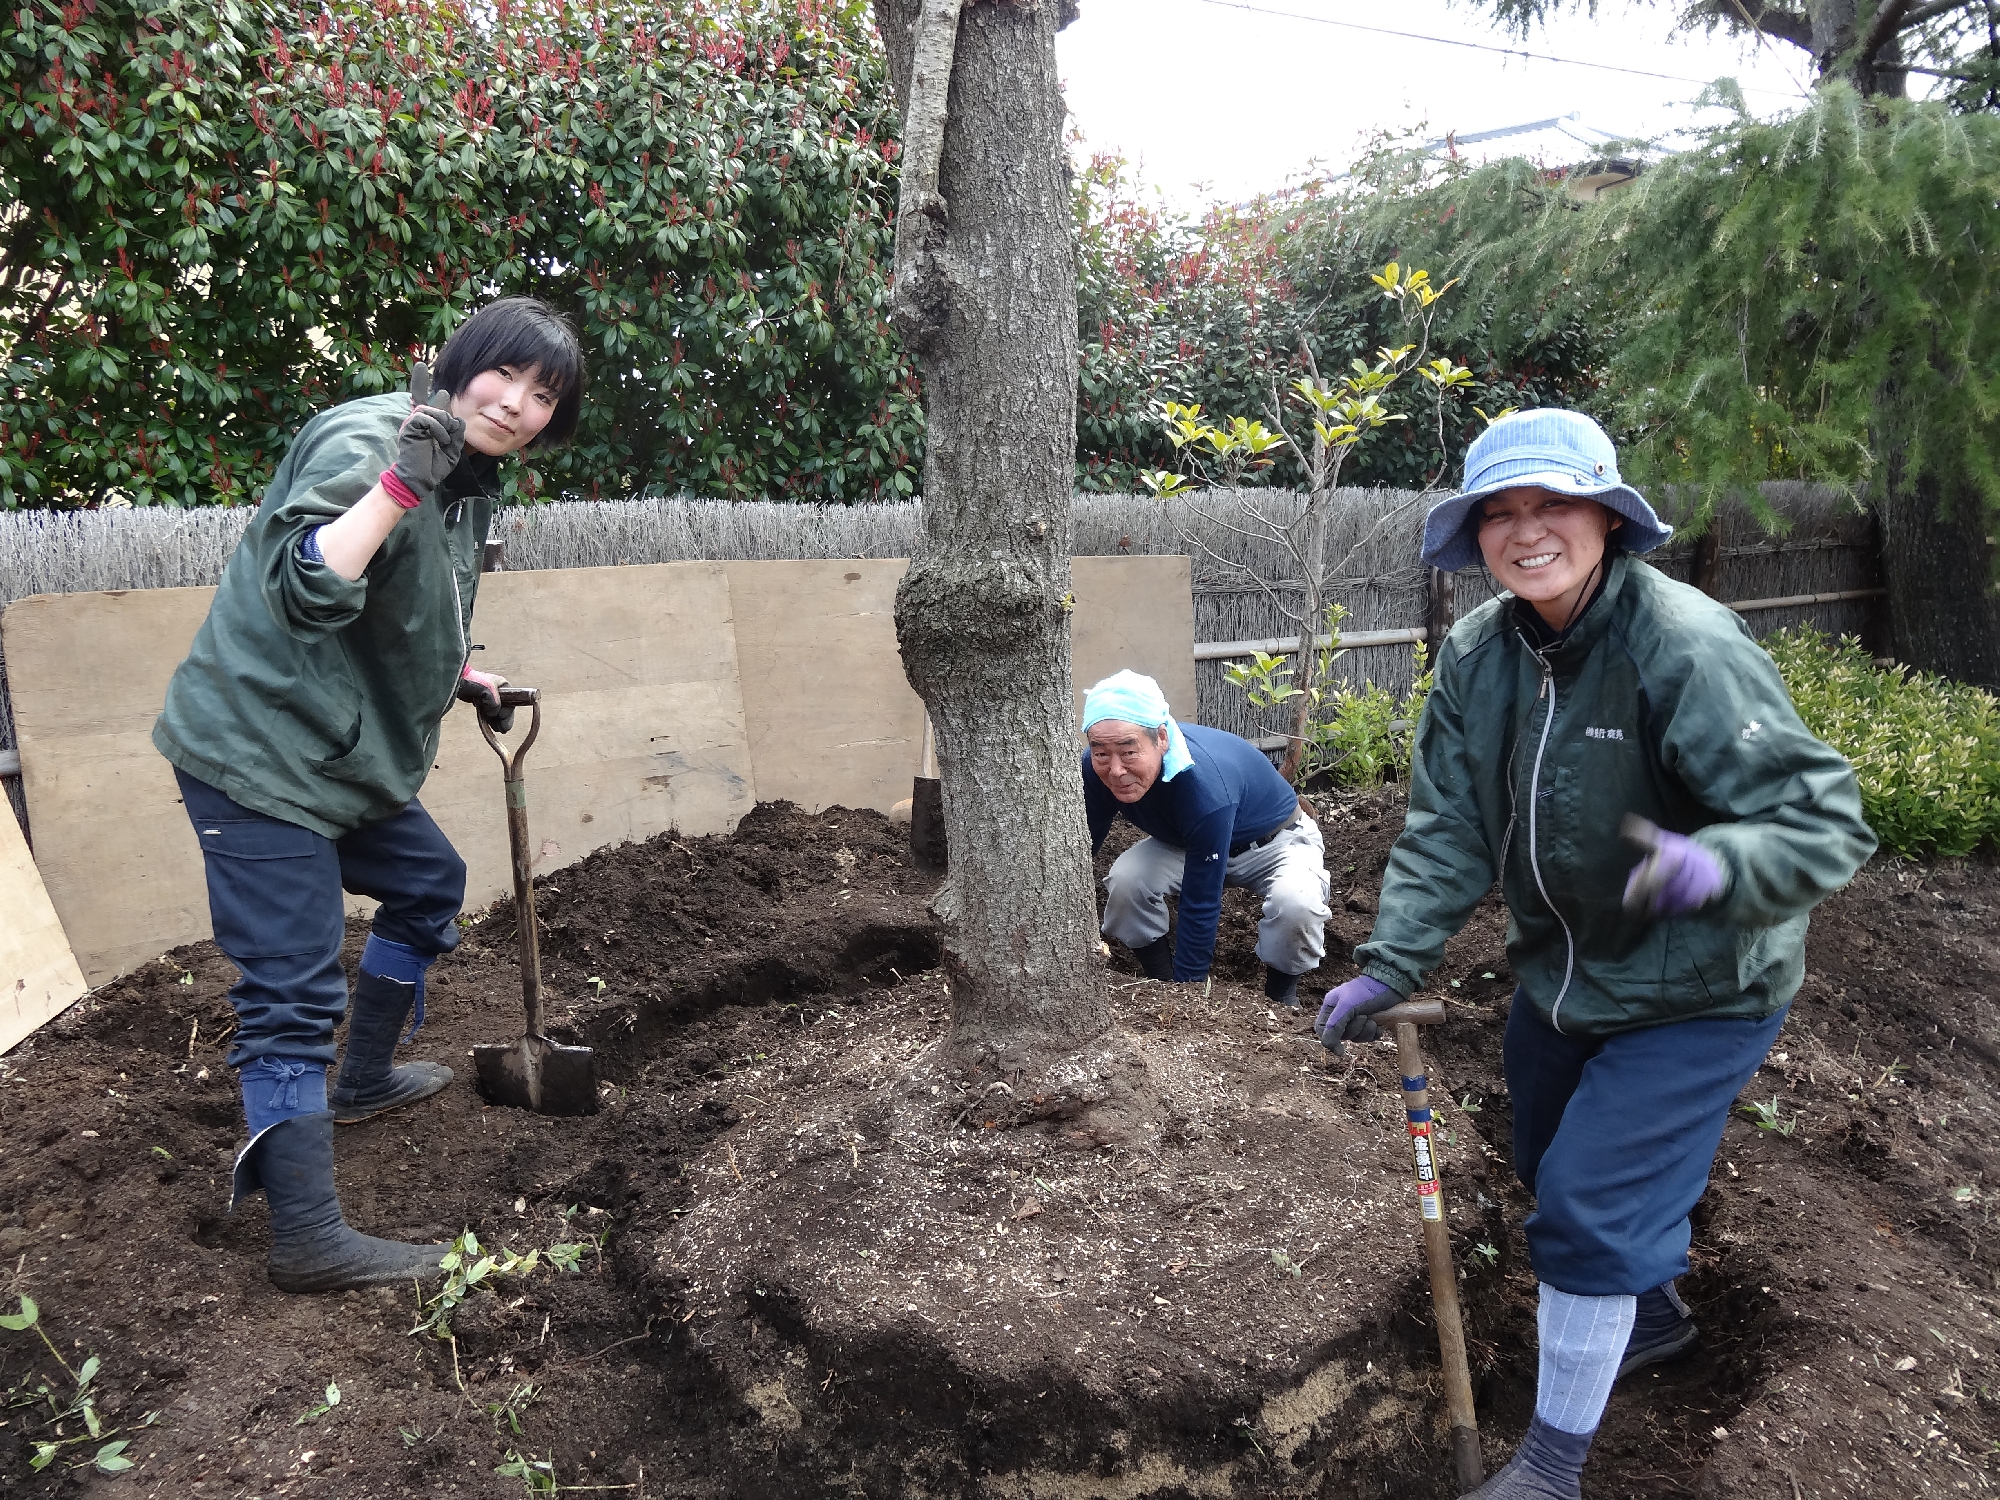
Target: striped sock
{"type": "Point", "coordinates": [1583, 1339]}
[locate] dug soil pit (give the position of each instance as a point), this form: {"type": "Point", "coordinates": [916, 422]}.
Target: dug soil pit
{"type": "Point", "coordinates": [805, 1265]}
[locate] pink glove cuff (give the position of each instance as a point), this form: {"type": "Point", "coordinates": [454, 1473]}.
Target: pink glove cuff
{"type": "Point", "coordinates": [400, 492]}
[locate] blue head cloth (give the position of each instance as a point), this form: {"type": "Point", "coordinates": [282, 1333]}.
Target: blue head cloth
{"type": "Point", "coordinates": [1550, 448]}
{"type": "Point", "coordinates": [1136, 699]}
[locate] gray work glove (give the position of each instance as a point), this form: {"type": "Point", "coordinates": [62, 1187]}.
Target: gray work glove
{"type": "Point", "coordinates": [430, 442]}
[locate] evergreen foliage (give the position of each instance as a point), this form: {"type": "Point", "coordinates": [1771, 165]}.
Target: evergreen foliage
{"type": "Point", "coordinates": [1874, 45]}
{"type": "Point", "coordinates": [1803, 298]}
{"type": "Point", "coordinates": [222, 217]}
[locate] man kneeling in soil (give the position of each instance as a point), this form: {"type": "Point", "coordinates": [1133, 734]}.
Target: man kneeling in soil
{"type": "Point", "coordinates": [1216, 814]}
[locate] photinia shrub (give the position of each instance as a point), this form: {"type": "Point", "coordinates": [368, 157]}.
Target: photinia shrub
{"type": "Point", "coordinates": [221, 217]}
{"type": "Point", "coordinates": [1213, 312]}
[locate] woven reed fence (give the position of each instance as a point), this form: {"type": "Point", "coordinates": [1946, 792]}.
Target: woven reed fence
{"type": "Point", "coordinates": [1826, 546]}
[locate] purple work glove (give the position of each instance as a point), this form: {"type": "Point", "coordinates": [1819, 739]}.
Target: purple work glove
{"type": "Point", "coordinates": [1345, 1014]}
{"type": "Point", "coordinates": [1677, 875]}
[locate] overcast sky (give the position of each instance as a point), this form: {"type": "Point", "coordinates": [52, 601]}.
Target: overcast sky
{"type": "Point", "coordinates": [1198, 92]}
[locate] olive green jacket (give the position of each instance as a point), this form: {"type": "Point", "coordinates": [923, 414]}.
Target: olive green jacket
{"type": "Point", "coordinates": [317, 700]}
{"type": "Point", "coordinates": [1658, 703]}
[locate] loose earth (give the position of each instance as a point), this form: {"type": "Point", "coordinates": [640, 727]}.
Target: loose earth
{"type": "Point", "coordinates": [806, 1265]}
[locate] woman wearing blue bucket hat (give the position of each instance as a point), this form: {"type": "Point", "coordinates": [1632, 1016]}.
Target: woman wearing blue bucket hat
{"type": "Point", "coordinates": [1615, 750]}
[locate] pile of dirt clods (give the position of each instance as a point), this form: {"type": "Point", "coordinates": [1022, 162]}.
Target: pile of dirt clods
{"type": "Point", "coordinates": [805, 1260]}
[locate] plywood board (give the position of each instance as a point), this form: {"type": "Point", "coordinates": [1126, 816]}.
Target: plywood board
{"type": "Point", "coordinates": [87, 674]}
{"type": "Point", "coordinates": [38, 974]}
{"type": "Point", "coordinates": [1136, 613]}
{"type": "Point", "coordinates": [832, 720]}
{"type": "Point", "coordinates": [642, 717]}
{"type": "Point", "coordinates": [642, 731]}
{"type": "Point", "coordinates": [677, 694]}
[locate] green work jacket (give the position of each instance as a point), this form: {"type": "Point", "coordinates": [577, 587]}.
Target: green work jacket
{"type": "Point", "coordinates": [317, 700]}
{"type": "Point", "coordinates": [1657, 703]}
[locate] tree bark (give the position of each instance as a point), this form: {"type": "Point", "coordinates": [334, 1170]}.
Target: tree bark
{"type": "Point", "coordinates": [1871, 61]}
{"type": "Point", "coordinates": [1938, 560]}
{"type": "Point", "coordinates": [986, 301]}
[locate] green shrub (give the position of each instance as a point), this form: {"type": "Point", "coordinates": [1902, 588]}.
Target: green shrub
{"type": "Point", "coordinates": [1370, 735]}
{"type": "Point", "coordinates": [221, 217]}
{"type": "Point", "coordinates": [1926, 750]}
{"type": "Point", "coordinates": [1354, 736]}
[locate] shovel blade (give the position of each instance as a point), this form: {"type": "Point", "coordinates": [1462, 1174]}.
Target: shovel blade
{"type": "Point", "coordinates": [540, 1075]}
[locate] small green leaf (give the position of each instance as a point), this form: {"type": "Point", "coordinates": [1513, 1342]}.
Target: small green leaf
{"type": "Point", "coordinates": [25, 1318]}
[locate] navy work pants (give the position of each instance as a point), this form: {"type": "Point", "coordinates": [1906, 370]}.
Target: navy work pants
{"type": "Point", "coordinates": [274, 897]}
{"type": "Point", "coordinates": [1615, 1135]}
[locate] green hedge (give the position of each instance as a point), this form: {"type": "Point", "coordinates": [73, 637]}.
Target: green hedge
{"type": "Point", "coordinates": [1926, 750]}
{"type": "Point", "coordinates": [222, 216]}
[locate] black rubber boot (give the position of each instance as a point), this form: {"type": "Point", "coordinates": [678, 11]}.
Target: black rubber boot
{"type": "Point", "coordinates": [1157, 958]}
{"type": "Point", "coordinates": [370, 1081]}
{"type": "Point", "coordinates": [1282, 989]}
{"type": "Point", "coordinates": [1662, 1329]}
{"type": "Point", "coordinates": [312, 1247]}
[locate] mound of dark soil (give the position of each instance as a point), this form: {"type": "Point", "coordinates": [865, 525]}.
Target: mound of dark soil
{"type": "Point", "coordinates": [731, 1333]}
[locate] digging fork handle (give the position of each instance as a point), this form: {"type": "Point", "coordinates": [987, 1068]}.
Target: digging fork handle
{"type": "Point", "coordinates": [518, 846]}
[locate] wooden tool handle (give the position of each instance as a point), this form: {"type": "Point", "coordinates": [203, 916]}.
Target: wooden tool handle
{"type": "Point", "coordinates": [519, 697]}
{"type": "Point", "coordinates": [1436, 1227]}
{"type": "Point", "coordinates": [1411, 1012]}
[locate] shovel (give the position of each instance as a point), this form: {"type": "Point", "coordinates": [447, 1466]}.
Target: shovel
{"type": "Point", "coordinates": [534, 1073]}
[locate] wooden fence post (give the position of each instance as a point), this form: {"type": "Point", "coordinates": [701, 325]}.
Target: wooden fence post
{"type": "Point", "coordinates": [1441, 610]}
{"type": "Point", "coordinates": [1708, 558]}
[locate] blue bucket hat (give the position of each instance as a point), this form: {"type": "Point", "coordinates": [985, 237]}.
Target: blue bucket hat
{"type": "Point", "coordinates": [1558, 450]}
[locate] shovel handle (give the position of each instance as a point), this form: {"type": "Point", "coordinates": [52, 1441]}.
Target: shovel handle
{"type": "Point", "coordinates": [520, 849]}
{"type": "Point", "coordinates": [515, 697]}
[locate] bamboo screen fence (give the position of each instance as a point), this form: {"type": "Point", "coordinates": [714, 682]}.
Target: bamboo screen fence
{"type": "Point", "coordinates": [1825, 545]}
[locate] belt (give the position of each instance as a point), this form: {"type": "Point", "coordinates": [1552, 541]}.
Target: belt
{"type": "Point", "coordinates": [1248, 844]}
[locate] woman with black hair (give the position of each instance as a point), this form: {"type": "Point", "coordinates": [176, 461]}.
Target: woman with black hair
{"type": "Point", "coordinates": [302, 724]}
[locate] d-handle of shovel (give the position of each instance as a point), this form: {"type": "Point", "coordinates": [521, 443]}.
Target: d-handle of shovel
{"type": "Point", "coordinates": [515, 697]}
{"type": "Point", "coordinates": [519, 847]}
{"type": "Point", "coordinates": [1406, 1018]}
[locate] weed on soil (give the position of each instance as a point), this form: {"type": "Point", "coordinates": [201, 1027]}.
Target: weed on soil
{"type": "Point", "coordinates": [1238, 1307]}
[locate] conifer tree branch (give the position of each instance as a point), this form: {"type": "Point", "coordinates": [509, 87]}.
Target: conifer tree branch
{"type": "Point", "coordinates": [1888, 21]}
{"type": "Point", "coordinates": [1775, 20]}
{"type": "Point", "coordinates": [1916, 16]}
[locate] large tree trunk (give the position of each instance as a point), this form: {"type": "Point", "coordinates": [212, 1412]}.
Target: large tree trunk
{"type": "Point", "coordinates": [1837, 27]}
{"type": "Point", "coordinates": [986, 300]}
{"type": "Point", "coordinates": [1938, 561]}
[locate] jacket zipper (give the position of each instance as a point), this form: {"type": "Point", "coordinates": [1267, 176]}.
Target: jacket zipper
{"type": "Point", "coordinates": [1534, 860]}
{"type": "Point", "coordinates": [458, 618]}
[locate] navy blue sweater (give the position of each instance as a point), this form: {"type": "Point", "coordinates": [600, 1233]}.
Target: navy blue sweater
{"type": "Point", "coordinates": [1230, 795]}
